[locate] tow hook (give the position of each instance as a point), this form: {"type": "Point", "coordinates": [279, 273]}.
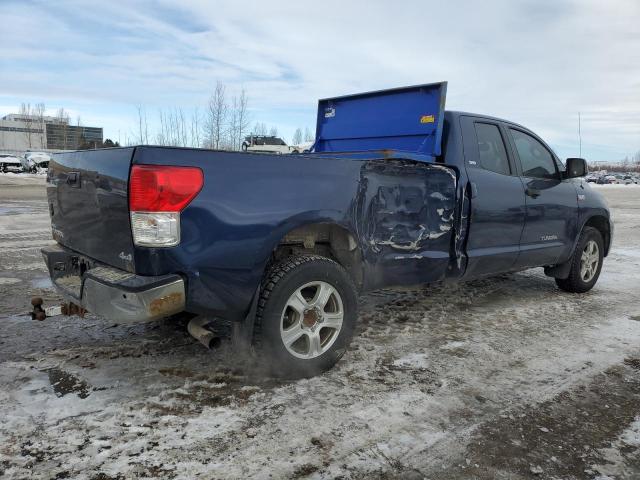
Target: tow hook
{"type": "Point", "coordinates": [40, 312]}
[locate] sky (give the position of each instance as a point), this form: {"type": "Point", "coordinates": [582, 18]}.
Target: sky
{"type": "Point", "coordinates": [536, 62]}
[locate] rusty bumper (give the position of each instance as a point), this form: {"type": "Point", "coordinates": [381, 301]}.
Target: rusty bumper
{"type": "Point", "coordinates": [112, 293]}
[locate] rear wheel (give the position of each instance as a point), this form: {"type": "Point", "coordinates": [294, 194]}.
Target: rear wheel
{"type": "Point", "coordinates": [586, 263]}
{"type": "Point", "coordinates": [306, 315]}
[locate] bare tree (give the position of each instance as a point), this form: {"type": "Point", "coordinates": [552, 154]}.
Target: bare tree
{"type": "Point", "coordinates": [297, 137]}
{"type": "Point", "coordinates": [173, 128]}
{"type": "Point", "coordinates": [308, 136]}
{"type": "Point", "coordinates": [38, 113]}
{"type": "Point", "coordinates": [25, 113]}
{"type": "Point", "coordinates": [195, 128]}
{"type": "Point", "coordinates": [273, 131]}
{"type": "Point", "coordinates": [143, 127]}
{"type": "Point", "coordinates": [238, 120]}
{"type": "Point", "coordinates": [78, 139]}
{"type": "Point", "coordinates": [62, 118]}
{"type": "Point", "coordinates": [260, 128]}
{"type": "Point", "coordinates": [216, 116]}
{"type": "Point", "coordinates": [242, 117]}
{"type": "Point", "coordinates": [161, 138]}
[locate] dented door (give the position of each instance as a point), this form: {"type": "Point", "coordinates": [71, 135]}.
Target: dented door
{"type": "Point", "coordinates": [407, 214]}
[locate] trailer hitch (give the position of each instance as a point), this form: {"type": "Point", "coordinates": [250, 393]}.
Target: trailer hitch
{"type": "Point", "coordinates": [40, 312]}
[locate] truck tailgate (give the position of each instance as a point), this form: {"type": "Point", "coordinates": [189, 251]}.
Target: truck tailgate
{"type": "Point", "coordinates": [87, 196]}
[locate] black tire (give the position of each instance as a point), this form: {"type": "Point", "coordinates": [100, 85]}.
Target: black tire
{"type": "Point", "coordinates": [244, 147]}
{"type": "Point", "coordinates": [574, 283]}
{"type": "Point", "coordinates": [280, 283]}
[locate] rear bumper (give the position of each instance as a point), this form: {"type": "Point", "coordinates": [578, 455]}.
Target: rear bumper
{"type": "Point", "coordinates": [112, 293]}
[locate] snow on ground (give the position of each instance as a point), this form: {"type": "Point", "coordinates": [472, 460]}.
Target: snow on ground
{"type": "Point", "coordinates": [616, 456]}
{"type": "Point", "coordinates": [506, 377]}
{"type": "Point", "coordinates": [606, 186]}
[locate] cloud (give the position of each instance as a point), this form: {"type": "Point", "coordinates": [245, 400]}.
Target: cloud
{"type": "Point", "coordinates": [537, 63]}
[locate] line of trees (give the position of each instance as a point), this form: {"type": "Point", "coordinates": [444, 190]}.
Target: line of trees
{"type": "Point", "coordinates": [299, 137]}
{"type": "Point", "coordinates": [221, 125]}
{"type": "Point", "coordinates": [627, 165]}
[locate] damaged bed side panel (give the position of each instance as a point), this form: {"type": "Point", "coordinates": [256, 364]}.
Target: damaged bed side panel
{"type": "Point", "coordinates": [406, 210]}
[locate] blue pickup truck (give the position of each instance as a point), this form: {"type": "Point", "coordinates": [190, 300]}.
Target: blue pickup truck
{"type": "Point", "coordinates": [397, 191]}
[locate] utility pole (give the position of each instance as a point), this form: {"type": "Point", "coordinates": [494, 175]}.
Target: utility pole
{"type": "Point", "coordinates": [579, 136]}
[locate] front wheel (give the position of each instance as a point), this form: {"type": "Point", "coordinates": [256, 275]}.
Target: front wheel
{"type": "Point", "coordinates": [586, 263]}
{"type": "Point", "coordinates": [306, 315]}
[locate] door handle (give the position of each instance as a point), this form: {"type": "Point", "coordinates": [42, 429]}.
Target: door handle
{"type": "Point", "coordinates": [532, 192]}
{"type": "Point", "coordinates": [73, 179]}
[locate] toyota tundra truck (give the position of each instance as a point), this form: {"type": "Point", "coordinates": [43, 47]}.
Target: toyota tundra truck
{"type": "Point", "coordinates": [397, 191]}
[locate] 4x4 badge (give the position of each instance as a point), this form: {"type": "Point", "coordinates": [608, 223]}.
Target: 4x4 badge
{"type": "Point", "coordinates": [127, 258]}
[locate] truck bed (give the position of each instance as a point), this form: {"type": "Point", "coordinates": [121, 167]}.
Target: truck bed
{"type": "Point", "coordinates": [400, 213]}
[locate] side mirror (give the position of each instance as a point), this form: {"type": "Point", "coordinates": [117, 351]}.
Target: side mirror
{"type": "Point", "coordinates": [576, 167]}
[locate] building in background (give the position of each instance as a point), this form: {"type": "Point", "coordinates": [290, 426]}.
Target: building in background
{"type": "Point", "coordinates": [19, 133]}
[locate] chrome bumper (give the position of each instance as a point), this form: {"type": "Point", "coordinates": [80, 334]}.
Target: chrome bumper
{"type": "Point", "coordinates": [112, 293]}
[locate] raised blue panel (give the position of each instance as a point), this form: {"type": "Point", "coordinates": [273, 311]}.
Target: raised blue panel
{"type": "Point", "coordinates": [408, 119]}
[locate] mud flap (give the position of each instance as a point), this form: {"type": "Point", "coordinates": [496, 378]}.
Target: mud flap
{"type": "Point", "coordinates": [561, 270]}
{"type": "Point", "coordinates": [242, 330]}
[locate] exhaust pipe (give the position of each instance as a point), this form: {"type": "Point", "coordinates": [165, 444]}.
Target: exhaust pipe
{"type": "Point", "coordinates": [197, 329]}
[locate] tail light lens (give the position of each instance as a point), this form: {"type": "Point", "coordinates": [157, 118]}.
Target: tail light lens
{"type": "Point", "coordinates": [157, 195]}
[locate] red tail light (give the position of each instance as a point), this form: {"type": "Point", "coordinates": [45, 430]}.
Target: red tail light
{"type": "Point", "coordinates": [163, 188]}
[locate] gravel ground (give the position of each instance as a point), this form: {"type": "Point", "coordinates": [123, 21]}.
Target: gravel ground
{"type": "Point", "coordinates": [504, 378]}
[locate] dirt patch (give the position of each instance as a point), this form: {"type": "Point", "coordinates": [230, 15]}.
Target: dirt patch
{"type": "Point", "coordinates": [633, 362]}
{"type": "Point", "coordinates": [304, 470]}
{"type": "Point", "coordinates": [560, 438]}
{"type": "Point", "coordinates": [64, 383]}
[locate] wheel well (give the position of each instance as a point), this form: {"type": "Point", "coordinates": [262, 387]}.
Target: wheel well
{"type": "Point", "coordinates": [601, 224]}
{"type": "Point", "coordinates": [327, 239]}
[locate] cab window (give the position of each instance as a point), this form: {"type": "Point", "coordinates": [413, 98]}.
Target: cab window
{"type": "Point", "coordinates": [535, 159]}
{"type": "Point", "coordinates": [492, 154]}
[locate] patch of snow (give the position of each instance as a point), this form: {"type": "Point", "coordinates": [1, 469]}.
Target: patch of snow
{"type": "Point", "coordinates": [453, 345]}
{"type": "Point", "coordinates": [412, 360]}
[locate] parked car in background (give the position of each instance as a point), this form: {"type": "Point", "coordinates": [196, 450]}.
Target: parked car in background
{"type": "Point", "coordinates": [304, 147]}
{"type": "Point", "coordinates": [266, 144]}
{"type": "Point", "coordinates": [610, 179]}
{"type": "Point", "coordinates": [628, 180]}
{"type": "Point", "coordinates": [10, 163]}
{"type": "Point", "coordinates": [34, 162]}
{"type": "Point", "coordinates": [591, 179]}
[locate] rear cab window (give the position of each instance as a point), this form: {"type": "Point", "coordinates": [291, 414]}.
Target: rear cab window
{"type": "Point", "coordinates": [492, 154]}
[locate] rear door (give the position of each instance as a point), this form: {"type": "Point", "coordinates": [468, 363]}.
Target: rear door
{"type": "Point", "coordinates": [88, 204]}
{"type": "Point", "coordinates": [552, 204]}
{"type": "Point", "coordinates": [497, 198]}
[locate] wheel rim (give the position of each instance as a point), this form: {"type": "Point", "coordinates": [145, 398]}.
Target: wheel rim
{"type": "Point", "coordinates": [589, 261]}
{"type": "Point", "coordinates": [311, 320]}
